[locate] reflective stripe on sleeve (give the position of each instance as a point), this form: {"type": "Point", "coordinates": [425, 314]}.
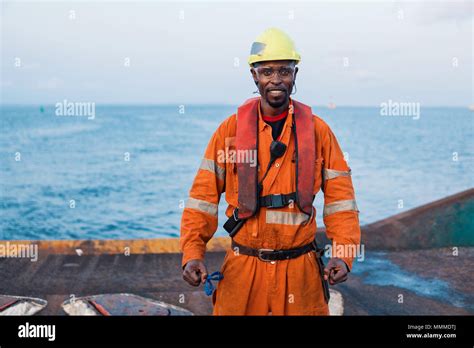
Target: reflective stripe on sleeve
{"type": "Point", "coordinates": [211, 166]}
{"type": "Point", "coordinates": [335, 207]}
{"type": "Point", "coordinates": [332, 173]}
{"type": "Point", "coordinates": [206, 207]}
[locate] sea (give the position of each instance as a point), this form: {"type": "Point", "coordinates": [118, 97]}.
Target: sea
{"type": "Point", "coordinates": [126, 172]}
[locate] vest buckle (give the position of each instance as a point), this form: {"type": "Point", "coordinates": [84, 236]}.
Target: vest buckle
{"type": "Point", "coordinates": [276, 201]}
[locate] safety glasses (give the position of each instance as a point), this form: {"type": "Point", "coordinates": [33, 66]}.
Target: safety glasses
{"type": "Point", "coordinates": [283, 72]}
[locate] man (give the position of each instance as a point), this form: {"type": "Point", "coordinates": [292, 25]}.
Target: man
{"type": "Point", "coordinates": [273, 267]}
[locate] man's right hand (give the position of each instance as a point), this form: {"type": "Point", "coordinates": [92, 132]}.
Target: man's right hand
{"type": "Point", "coordinates": [195, 272]}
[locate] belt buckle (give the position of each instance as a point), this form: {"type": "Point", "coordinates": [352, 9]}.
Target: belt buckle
{"type": "Point", "coordinates": [276, 201]}
{"type": "Point", "coordinates": [260, 254]}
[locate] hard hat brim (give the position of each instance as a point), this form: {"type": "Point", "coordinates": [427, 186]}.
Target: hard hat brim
{"type": "Point", "coordinates": [252, 61]}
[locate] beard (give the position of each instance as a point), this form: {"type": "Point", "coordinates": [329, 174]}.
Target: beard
{"type": "Point", "coordinates": [278, 102]}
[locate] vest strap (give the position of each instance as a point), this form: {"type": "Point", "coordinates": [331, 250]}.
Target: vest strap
{"type": "Point", "coordinates": [277, 201]}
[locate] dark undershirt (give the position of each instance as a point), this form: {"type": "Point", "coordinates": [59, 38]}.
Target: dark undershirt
{"type": "Point", "coordinates": [276, 122]}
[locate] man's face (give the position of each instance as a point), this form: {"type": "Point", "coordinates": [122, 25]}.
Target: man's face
{"type": "Point", "coordinates": [275, 80]}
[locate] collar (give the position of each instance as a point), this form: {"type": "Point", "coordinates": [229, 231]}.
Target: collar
{"type": "Point", "coordinates": [275, 118]}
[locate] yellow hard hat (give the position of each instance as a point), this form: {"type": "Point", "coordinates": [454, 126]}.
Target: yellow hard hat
{"type": "Point", "coordinates": [273, 44]}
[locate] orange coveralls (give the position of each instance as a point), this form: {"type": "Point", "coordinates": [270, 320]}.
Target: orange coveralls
{"type": "Point", "coordinates": [251, 286]}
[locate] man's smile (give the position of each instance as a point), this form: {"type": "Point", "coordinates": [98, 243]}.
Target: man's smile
{"type": "Point", "coordinates": [276, 92]}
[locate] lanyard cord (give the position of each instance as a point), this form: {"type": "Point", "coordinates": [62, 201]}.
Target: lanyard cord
{"type": "Point", "coordinates": [208, 286]}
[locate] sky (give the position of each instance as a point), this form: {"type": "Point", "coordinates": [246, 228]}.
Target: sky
{"type": "Point", "coordinates": [353, 53]}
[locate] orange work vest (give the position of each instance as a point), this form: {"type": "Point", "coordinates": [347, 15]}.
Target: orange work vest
{"type": "Point", "coordinates": [247, 140]}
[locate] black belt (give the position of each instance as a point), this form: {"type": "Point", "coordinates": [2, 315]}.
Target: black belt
{"type": "Point", "coordinates": [273, 255]}
{"type": "Point", "coordinates": [276, 255]}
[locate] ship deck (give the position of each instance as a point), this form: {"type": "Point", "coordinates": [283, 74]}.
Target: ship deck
{"type": "Point", "coordinates": [418, 262]}
{"type": "Point", "coordinates": [56, 277]}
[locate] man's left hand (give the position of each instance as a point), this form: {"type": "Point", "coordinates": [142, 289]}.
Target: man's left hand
{"type": "Point", "coordinates": [336, 271]}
